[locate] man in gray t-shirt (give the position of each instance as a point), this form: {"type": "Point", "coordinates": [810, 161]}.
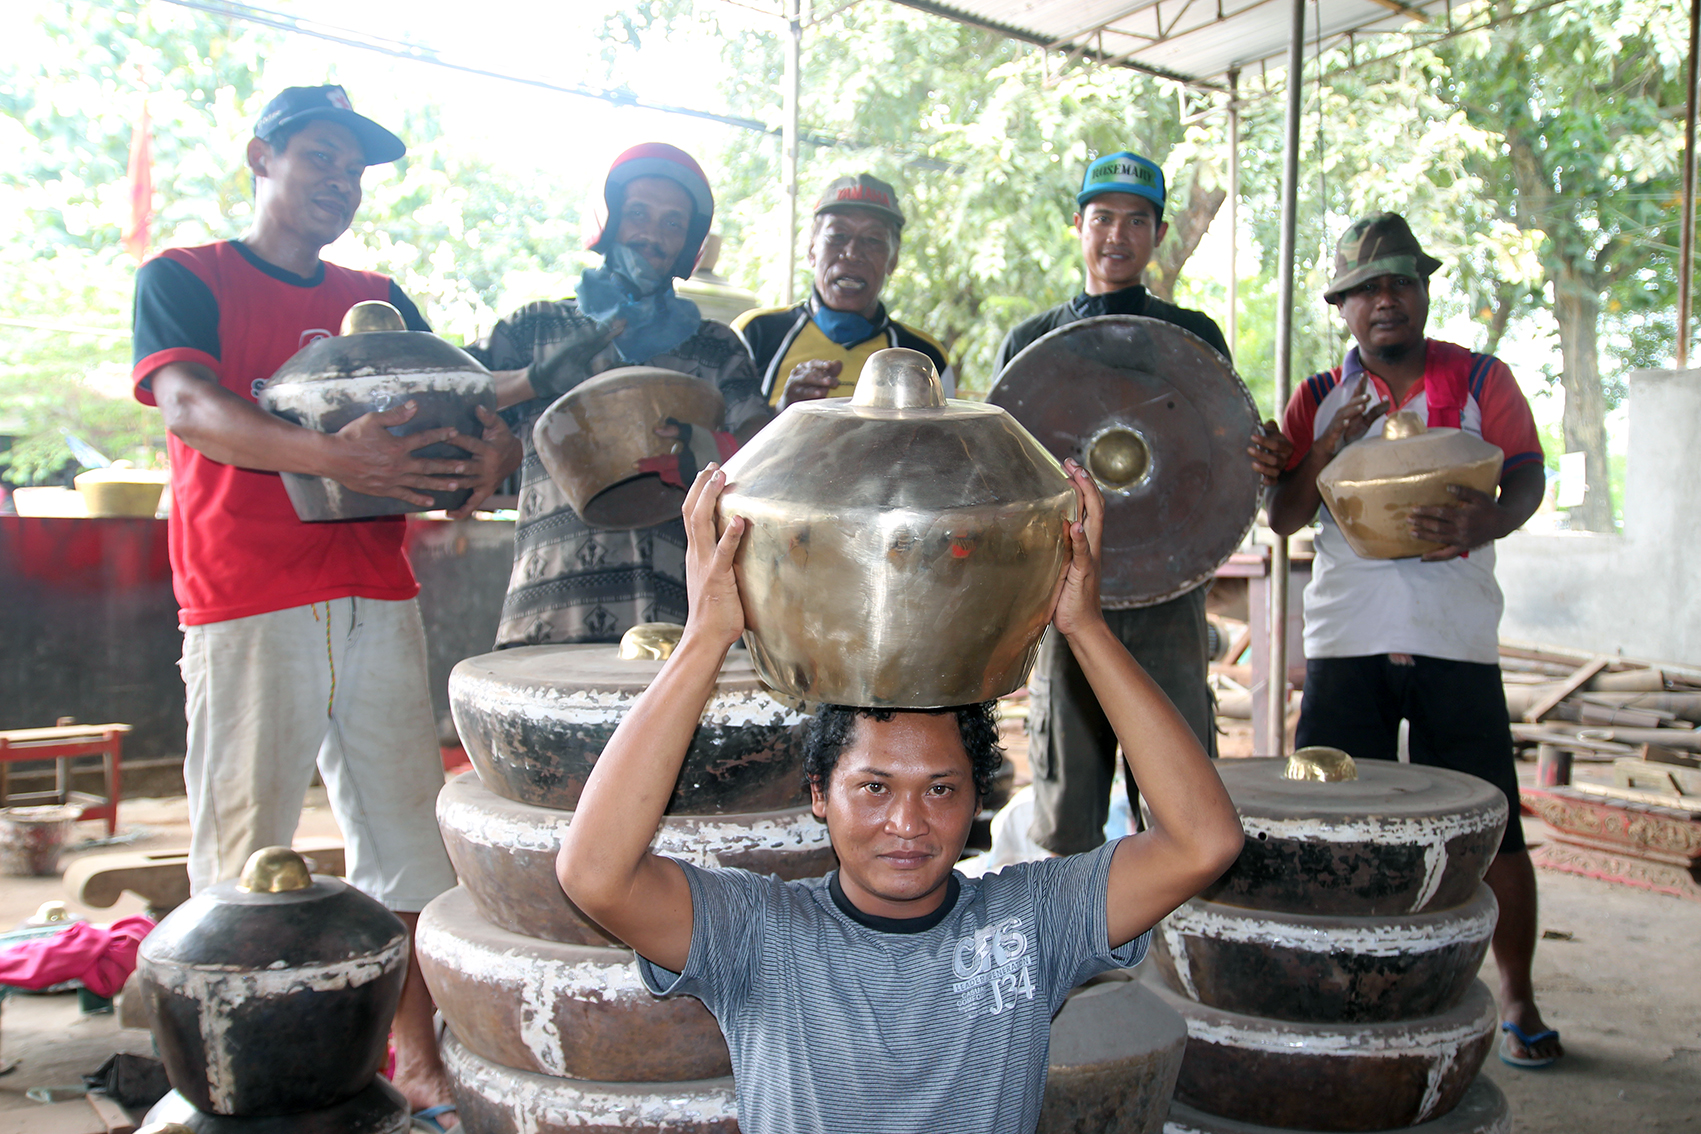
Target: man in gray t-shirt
{"type": "Point", "coordinates": [971, 987]}
{"type": "Point", "coordinates": [894, 995]}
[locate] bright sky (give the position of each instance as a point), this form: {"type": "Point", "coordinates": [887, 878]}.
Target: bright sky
{"type": "Point", "coordinates": [563, 135]}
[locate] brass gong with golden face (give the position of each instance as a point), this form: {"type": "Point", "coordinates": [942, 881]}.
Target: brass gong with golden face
{"type": "Point", "coordinates": [1161, 421]}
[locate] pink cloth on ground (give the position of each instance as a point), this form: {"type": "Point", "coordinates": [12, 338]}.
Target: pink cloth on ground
{"type": "Point", "coordinates": [102, 958]}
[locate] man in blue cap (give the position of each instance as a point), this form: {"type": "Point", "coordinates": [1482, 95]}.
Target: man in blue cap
{"type": "Point", "coordinates": [1120, 222]}
{"type": "Point", "coordinates": [1071, 745]}
{"type": "Point", "coordinates": [302, 642]}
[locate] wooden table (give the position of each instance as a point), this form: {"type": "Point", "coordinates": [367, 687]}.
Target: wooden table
{"type": "Point", "coordinates": [63, 744]}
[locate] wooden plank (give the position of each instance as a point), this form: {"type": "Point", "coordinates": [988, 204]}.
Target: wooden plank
{"type": "Point", "coordinates": [113, 1115]}
{"type": "Point", "coordinates": [1656, 754]}
{"type": "Point", "coordinates": [1686, 740]}
{"type": "Point", "coordinates": [1570, 685]}
{"type": "Point", "coordinates": [1536, 734]}
{"type": "Point", "coordinates": [1635, 772]}
{"type": "Point", "coordinates": [1591, 713]}
{"type": "Point", "coordinates": [60, 732]}
{"type": "Point", "coordinates": [1683, 803]}
{"type": "Point", "coordinates": [1549, 671]}
{"type": "Point", "coordinates": [1632, 681]}
{"type": "Point", "coordinates": [1630, 699]}
{"type": "Point", "coordinates": [1673, 671]}
{"type": "Point", "coordinates": [1543, 656]}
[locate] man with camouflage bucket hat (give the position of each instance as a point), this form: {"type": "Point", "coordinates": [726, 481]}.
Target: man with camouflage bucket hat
{"type": "Point", "coordinates": [1381, 244]}
{"type": "Point", "coordinates": [1418, 639]}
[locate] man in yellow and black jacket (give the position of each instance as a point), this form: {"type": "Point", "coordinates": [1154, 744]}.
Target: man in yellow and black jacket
{"type": "Point", "coordinates": [816, 349]}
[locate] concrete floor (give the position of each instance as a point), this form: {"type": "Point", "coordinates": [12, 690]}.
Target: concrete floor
{"type": "Point", "coordinates": [1617, 974]}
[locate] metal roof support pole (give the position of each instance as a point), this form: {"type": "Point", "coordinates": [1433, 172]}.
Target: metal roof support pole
{"type": "Point", "coordinates": [788, 143]}
{"type": "Point", "coordinates": [1686, 252]}
{"type": "Point", "coordinates": [1272, 740]}
{"type": "Point", "coordinates": [1234, 210]}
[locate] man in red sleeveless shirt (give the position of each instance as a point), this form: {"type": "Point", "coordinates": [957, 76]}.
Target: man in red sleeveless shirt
{"type": "Point", "coordinates": [1418, 639]}
{"type": "Point", "coordinates": [302, 641]}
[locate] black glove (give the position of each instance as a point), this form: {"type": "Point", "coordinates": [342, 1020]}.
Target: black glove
{"type": "Point", "coordinates": [569, 361]}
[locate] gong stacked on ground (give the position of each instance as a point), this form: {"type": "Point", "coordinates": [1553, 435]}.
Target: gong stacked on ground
{"type": "Point", "coordinates": [270, 999]}
{"type": "Point", "coordinates": [551, 1028]}
{"type": "Point", "coordinates": [1328, 979]}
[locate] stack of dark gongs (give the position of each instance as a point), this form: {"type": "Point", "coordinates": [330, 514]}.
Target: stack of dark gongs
{"type": "Point", "coordinates": [1328, 979]}
{"type": "Point", "coordinates": [550, 1027]}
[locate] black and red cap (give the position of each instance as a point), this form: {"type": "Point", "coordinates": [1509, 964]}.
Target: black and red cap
{"type": "Point", "coordinates": [864, 191]}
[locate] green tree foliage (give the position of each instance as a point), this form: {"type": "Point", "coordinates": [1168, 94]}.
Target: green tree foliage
{"type": "Point", "coordinates": [465, 240]}
{"type": "Point", "coordinates": [985, 143]}
{"type": "Point", "coordinates": [1586, 101]}
{"type": "Point", "coordinates": [71, 92]}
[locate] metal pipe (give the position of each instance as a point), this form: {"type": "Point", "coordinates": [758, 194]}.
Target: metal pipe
{"type": "Point", "coordinates": [788, 144]}
{"type": "Point", "coordinates": [1686, 250]}
{"type": "Point", "coordinates": [1234, 210]}
{"type": "Point", "coordinates": [1273, 741]}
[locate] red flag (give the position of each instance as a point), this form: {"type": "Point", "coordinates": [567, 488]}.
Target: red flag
{"type": "Point", "coordinates": [141, 190]}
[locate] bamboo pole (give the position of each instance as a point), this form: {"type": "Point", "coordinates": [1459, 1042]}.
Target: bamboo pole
{"type": "Point", "coordinates": [1273, 735]}
{"type": "Point", "coordinates": [1686, 251]}
{"type": "Point", "coordinates": [788, 163]}
{"type": "Point", "coordinates": [1234, 211]}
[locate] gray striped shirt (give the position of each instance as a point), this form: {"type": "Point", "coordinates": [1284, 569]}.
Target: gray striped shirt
{"type": "Point", "coordinates": [834, 1025]}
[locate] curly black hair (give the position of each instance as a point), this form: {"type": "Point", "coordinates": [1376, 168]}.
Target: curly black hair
{"type": "Point", "coordinates": [832, 729]}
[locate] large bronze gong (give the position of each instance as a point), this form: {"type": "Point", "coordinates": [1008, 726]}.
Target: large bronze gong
{"type": "Point", "coordinates": [1161, 420]}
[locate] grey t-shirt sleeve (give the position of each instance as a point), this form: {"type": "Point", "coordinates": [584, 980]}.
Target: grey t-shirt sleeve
{"type": "Point", "coordinates": [1069, 905]}
{"type": "Point", "coordinates": [727, 909]}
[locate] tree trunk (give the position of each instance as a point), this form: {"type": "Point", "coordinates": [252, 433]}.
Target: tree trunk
{"type": "Point", "coordinates": [1505, 302]}
{"type": "Point", "coordinates": [1577, 291]}
{"type": "Point", "coordinates": [1577, 307]}
{"type": "Point", "coordinates": [1186, 228]}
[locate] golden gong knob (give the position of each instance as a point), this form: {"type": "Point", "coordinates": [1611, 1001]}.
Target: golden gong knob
{"type": "Point", "coordinates": [1326, 765]}
{"type": "Point", "coordinates": [1403, 425]}
{"type": "Point", "coordinates": [372, 315]}
{"type": "Point", "coordinates": [898, 378]}
{"type": "Point", "coordinates": [1118, 458]}
{"type": "Point", "coordinates": [650, 641]}
{"type": "Point", "coordinates": [274, 870]}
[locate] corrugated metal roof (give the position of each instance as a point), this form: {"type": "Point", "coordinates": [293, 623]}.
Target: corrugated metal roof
{"type": "Point", "coordinates": [1195, 41]}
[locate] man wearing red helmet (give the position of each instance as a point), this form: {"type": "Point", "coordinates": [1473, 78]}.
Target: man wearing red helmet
{"type": "Point", "coordinates": [572, 582]}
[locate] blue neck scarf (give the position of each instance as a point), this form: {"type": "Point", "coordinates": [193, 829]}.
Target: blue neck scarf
{"type": "Point", "coordinates": [847, 328]}
{"type": "Point", "coordinates": [626, 287]}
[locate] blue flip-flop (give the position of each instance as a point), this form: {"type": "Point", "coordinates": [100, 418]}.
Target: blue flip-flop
{"type": "Point", "coordinates": [1529, 1062]}
{"type": "Point", "coordinates": [427, 1119]}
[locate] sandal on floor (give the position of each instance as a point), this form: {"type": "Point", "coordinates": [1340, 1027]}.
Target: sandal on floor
{"type": "Point", "coordinates": [1528, 1042]}
{"type": "Point", "coordinates": [426, 1120]}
